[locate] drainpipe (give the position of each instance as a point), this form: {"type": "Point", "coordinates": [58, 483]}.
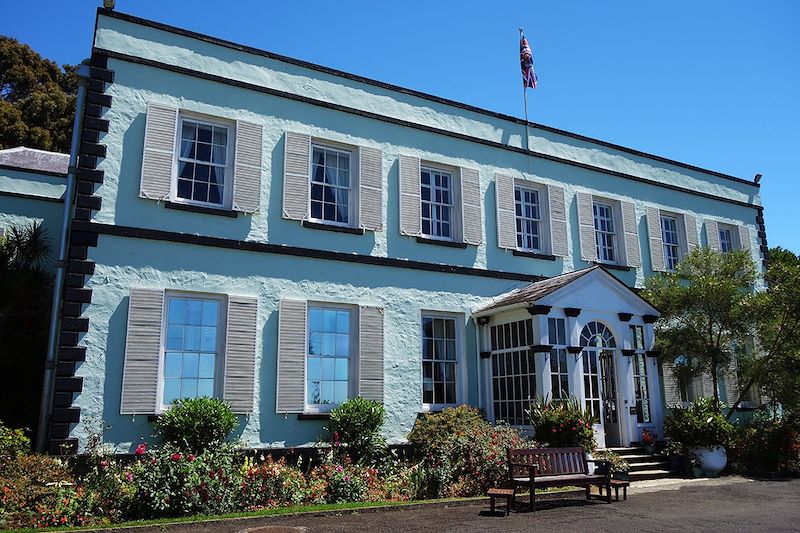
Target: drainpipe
{"type": "Point", "coordinates": [61, 264]}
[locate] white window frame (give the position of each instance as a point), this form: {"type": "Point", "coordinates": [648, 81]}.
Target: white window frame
{"type": "Point", "coordinates": [352, 200]}
{"type": "Point", "coordinates": [460, 359]}
{"type": "Point", "coordinates": [558, 349]}
{"type": "Point", "coordinates": [222, 328]}
{"type": "Point", "coordinates": [677, 246]}
{"type": "Point", "coordinates": [455, 201]}
{"type": "Point", "coordinates": [639, 353]}
{"type": "Point", "coordinates": [230, 155]}
{"type": "Point", "coordinates": [521, 219]}
{"type": "Point", "coordinates": [614, 218]}
{"type": "Point", "coordinates": [533, 391]}
{"type": "Point", "coordinates": [734, 244]}
{"type": "Point", "coordinates": [352, 388]}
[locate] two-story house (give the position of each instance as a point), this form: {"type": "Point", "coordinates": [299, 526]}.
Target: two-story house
{"type": "Point", "coordinates": [286, 236]}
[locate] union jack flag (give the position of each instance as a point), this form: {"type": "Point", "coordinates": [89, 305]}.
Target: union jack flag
{"type": "Point", "coordinates": [529, 78]}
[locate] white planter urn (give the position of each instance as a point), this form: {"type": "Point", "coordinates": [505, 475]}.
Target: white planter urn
{"type": "Point", "coordinates": [712, 460]}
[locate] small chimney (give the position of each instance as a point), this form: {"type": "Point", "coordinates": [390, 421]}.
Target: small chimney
{"type": "Point", "coordinates": [109, 4]}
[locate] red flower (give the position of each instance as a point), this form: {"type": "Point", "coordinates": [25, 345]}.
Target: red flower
{"type": "Point", "coordinates": [141, 449]}
{"type": "Point", "coordinates": [176, 457]}
{"type": "Point", "coordinates": [154, 461]}
{"type": "Point", "coordinates": [103, 464]}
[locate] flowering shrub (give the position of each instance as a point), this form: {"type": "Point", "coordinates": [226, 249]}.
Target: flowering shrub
{"type": "Point", "coordinates": [698, 426]}
{"type": "Point", "coordinates": [169, 482]}
{"type": "Point", "coordinates": [357, 424]}
{"type": "Point", "coordinates": [337, 481]}
{"type": "Point", "coordinates": [194, 425]}
{"type": "Point", "coordinates": [271, 484]}
{"type": "Point", "coordinates": [13, 441]}
{"type": "Point", "coordinates": [30, 485]}
{"type": "Point", "coordinates": [767, 444]}
{"type": "Point", "coordinates": [562, 424]}
{"type": "Point", "coordinates": [648, 437]}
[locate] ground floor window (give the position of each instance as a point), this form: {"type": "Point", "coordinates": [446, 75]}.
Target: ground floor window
{"type": "Point", "coordinates": [640, 385]}
{"type": "Point", "coordinates": [559, 377]}
{"type": "Point", "coordinates": [328, 362]}
{"type": "Point", "coordinates": [513, 371]}
{"type": "Point", "coordinates": [439, 360]}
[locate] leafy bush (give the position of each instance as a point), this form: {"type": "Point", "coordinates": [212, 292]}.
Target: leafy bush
{"type": "Point", "coordinates": [170, 482]}
{"type": "Point", "coordinates": [357, 424]}
{"type": "Point", "coordinates": [194, 425]}
{"type": "Point", "coordinates": [31, 484]}
{"type": "Point", "coordinates": [615, 461]}
{"type": "Point", "coordinates": [698, 426]}
{"type": "Point", "coordinates": [463, 453]}
{"type": "Point", "coordinates": [767, 444]}
{"type": "Point", "coordinates": [13, 442]}
{"type": "Point", "coordinates": [271, 484]}
{"type": "Point", "coordinates": [563, 424]}
{"type": "Point", "coordinates": [341, 482]}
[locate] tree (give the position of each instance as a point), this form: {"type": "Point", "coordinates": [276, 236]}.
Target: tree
{"type": "Point", "coordinates": [774, 363]}
{"type": "Point", "coordinates": [706, 309]}
{"type": "Point", "coordinates": [37, 99]}
{"type": "Point", "coordinates": [26, 285]}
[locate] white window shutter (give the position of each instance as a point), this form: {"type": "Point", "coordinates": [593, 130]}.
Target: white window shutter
{"type": "Point", "coordinates": [690, 226]}
{"type": "Point", "coordinates": [240, 353]}
{"type": "Point", "coordinates": [672, 390]}
{"type": "Point", "coordinates": [296, 175]}
{"type": "Point", "coordinates": [160, 129]}
{"type": "Point", "coordinates": [410, 209]}
{"type": "Point", "coordinates": [586, 227]}
{"type": "Point", "coordinates": [142, 352]}
{"type": "Point", "coordinates": [558, 221]}
{"type": "Point", "coordinates": [633, 255]}
{"type": "Point", "coordinates": [370, 362]}
{"type": "Point", "coordinates": [471, 219]}
{"type": "Point", "coordinates": [292, 344]}
{"type": "Point", "coordinates": [506, 211]}
{"type": "Point", "coordinates": [712, 234]}
{"type": "Point", "coordinates": [708, 385]}
{"type": "Point", "coordinates": [744, 239]}
{"type": "Point", "coordinates": [656, 242]}
{"type": "Point", "coordinates": [370, 188]}
{"type": "Point", "coordinates": [247, 167]}
{"type": "Point", "coordinates": [731, 382]}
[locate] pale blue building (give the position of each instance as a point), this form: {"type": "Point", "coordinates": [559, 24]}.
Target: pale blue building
{"type": "Point", "coordinates": [285, 236]}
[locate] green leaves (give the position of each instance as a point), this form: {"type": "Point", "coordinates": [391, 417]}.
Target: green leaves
{"type": "Point", "coordinates": [194, 425]}
{"type": "Point", "coordinates": [357, 423]}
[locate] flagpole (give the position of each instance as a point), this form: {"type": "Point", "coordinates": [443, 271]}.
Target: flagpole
{"type": "Point", "coordinates": [525, 99]}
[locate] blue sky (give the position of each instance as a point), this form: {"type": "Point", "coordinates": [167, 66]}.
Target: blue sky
{"type": "Point", "coordinates": [712, 83]}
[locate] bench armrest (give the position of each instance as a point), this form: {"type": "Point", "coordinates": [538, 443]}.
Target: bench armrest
{"type": "Point", "coordinates": [531, 469]}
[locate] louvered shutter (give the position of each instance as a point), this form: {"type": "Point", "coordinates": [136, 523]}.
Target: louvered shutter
{"type": "Point", "coordinates": [672, 390]}
{"type": "Point", "coordinates": [240, 353]}
{"type": "Point", "coordinates": [471, 219]}
{"type": "Point", "coordinates": [296, 175]}
{"type": "Point", "coordinates": [708, 385]}
{"type": "Point", "coordinates": [159, 151]}
{"type": "Point", "coordinates": [410, 210]}
{"type": "Point", "coordinates": [247, 167]}
{"type": "Point", "coordinates": [370, 363]}
{"type": "Point", "coordinates": [142, 352]}
{"type": "Point", "coordinates": [633, 255]}
{"type": "Point", "coordinates": [558, 221]}
{"type": "Point", "coordinates": [291, 357]}
{"type": "Point", "coordinates": [744, 239]}
{"type": "Point", "coordinates": [506, 211]}
{"type": "Point", "coordinates": [731, 383]}
{"type": "Point", "coordinates": [370, 182]}
{"type": "Point", "coordinates": [586, 227]}
{"type": "Point", "coordinates": [712, 234]}
{"type": "Point", "coordinates": [654, 236]}
{"type": "Point", "coordinates": [690, 227]}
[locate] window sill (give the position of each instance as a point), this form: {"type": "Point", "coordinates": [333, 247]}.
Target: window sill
{"type": "Point", "coordinates": [313, 416]}
{"type": "Point", "coordinates": [450, 244]}
{"type": "Point", "coordinates": [534, 255]}
{"type": "Point", "coordinates": [331, 227]}
{"type": "Point", "coordinates": [612, 266]}
{"type": "Point", "coordinates": [201, 209]}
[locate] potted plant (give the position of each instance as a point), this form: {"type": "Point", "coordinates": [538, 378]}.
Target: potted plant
{"type": "Point", "coordinates": [703, 432]}
{"type": "Point", "coordinates": [648, 441]}
{"type": "Point", "coordinates": [618, 466]}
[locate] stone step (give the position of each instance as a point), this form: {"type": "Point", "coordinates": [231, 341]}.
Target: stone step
{"type": "Point", "coordinates": [652, 465]}
{"type": "Point", "coordinates": [643, 458]}
{"type": "Point", "coordinates": [627, 451]}
{"type": "Point", "coordinates": [650, 474]}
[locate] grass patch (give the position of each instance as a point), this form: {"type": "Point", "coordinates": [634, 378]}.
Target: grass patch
{"type": "Point", "coordinates": [278, 511]}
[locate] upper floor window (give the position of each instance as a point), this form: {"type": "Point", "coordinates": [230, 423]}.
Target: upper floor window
{"type": "Point", "coordinates": [559, 376]}
{"type": "Point", "coordinates": [605, 232]}
{"type": "Point", "coordinates": [529, 218]}
{"type": "Point", "coordinates": [725, 239]}
{"type": "Point", "coordinates": [669, 238]}
{"type": "Point", "coordinates": [437, 203]}
{"type": "Point", "coordinates": [192, 347]}
{"type": "Point", "coordinates": [329, 357]}
{"type": "Point", "coordinates": [331, 185]}
{"type": "Point", "coordinates": [204, 170]}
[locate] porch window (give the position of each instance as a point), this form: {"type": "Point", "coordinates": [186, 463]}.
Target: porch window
{"type": "Point", "coordinates": [513, 371]}
{"type": "Point", "coordinates": [597, 340]}
{"type": "Point", "coordinates": [640, 384]}
{"type": "Point", "coordinates": [559, 378]}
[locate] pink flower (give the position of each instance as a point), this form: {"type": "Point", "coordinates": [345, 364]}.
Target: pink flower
{"type": "Point", "coordinates": [141, 449]}
{"type": "Point", "coordinates": [154, 461]}
{"type": "Point", "coordinates": [339, 468]}
{"type": "Point", "coordinates": [347, 478]}
{"type": "Point", "coordinates": [103, 464]}
{"type": "Point", "coordinates": [128, 477]}
{"type": "Point", "coordinates": [191, 457]}
{"type": "Point", "coordinates": [175, 457]}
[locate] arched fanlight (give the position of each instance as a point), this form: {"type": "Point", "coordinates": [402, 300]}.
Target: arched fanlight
{"type": "Point", "coordinates": [597, 335]}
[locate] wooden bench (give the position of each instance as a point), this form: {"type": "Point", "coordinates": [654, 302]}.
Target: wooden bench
{"type": "Point", "coordinates": [537, 468]}
{"type": "Point", "coordinates": [508, 494]}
